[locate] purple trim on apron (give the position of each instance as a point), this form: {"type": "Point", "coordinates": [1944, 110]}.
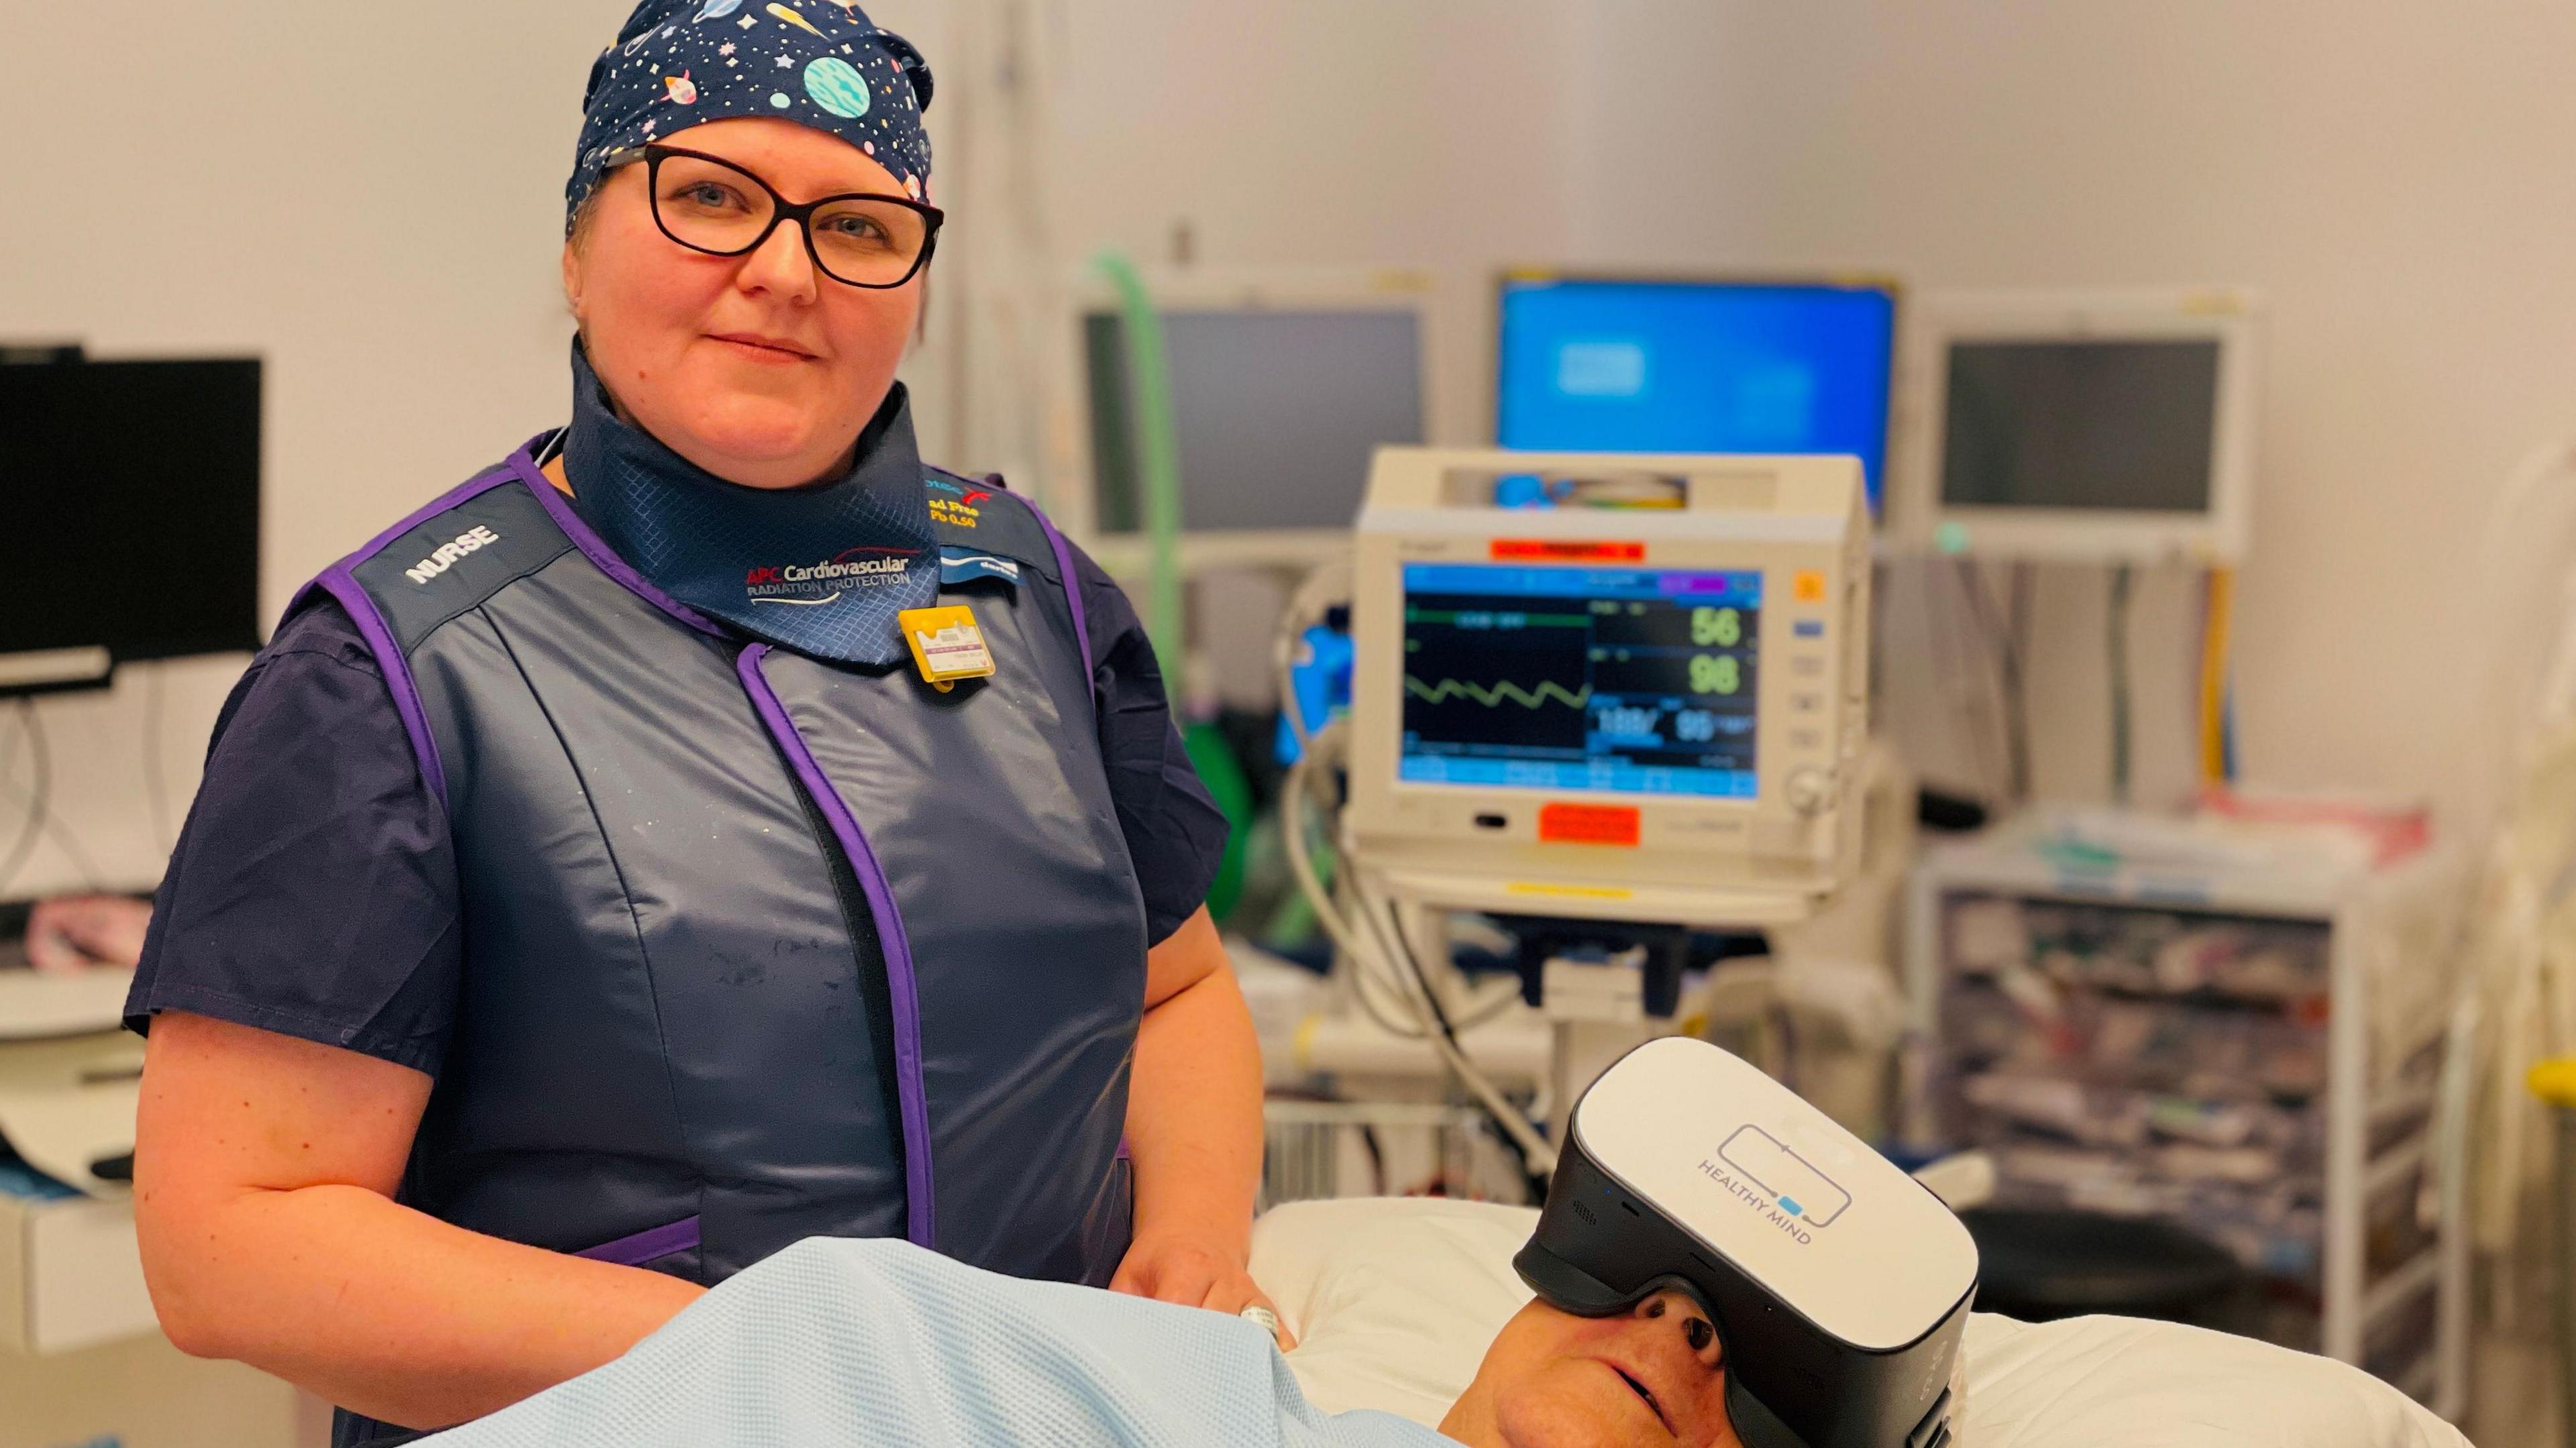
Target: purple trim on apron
{"type": "Point", "coordinates": [472, 487]}
{"type": "Point", "coordinates": [523, 463]}
{"type": "Point", "coordinates": [1125, 1152]}
{"type": "Point", "coordinates": [1072, 586]}
{"type": "Point", "coordinates": [341, 585]}
{"type": "Point", "coordinates": [920, 1217]}
{"type": "Point", "coordinates": [650, 1245]}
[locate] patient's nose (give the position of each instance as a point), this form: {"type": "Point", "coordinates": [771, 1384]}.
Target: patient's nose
{"type": "Point", "coordinates": [1683, 1311]}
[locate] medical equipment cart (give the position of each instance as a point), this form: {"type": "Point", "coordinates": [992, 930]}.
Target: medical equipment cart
{"type": "Point", "coordinates": [2244, 1040]}
{"type": "Point", "coordinates": [1319, 1150]}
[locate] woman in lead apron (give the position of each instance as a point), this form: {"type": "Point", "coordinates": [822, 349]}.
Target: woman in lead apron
{"type": "Point", "coordinates": [707, 828]}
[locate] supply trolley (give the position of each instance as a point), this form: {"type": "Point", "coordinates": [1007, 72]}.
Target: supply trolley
{"type": "Point", "coordinates": [2244, 1041]}
{"type": "Point", "coordinates": [1314, 1150]}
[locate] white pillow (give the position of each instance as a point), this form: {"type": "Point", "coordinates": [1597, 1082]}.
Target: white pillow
{"type": "Point", "coordinates": [2118, 1382]}
{"type": "Point", "coordinates": [1394, 1299]}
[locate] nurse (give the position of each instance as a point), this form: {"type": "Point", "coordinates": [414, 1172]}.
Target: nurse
{"type": "Point", "coordinates": [708, 828]}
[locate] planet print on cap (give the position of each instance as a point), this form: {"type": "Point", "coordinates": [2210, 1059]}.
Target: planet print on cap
{"type": "Point", "coordinates": [819, 63]}
{"type": "Point", "coordinates": [837, 86]}
{"type": "Point", "coordinates": [789, 14]}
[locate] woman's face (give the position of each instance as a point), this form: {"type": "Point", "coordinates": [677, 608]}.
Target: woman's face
{"type": "Point", "coordinates": [1652, 1377]}
{"type": "Point", "coordinates": [757, 368]}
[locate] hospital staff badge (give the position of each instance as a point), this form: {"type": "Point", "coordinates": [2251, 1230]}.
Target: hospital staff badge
{"type": "Point", "coordinates": [946, 644]}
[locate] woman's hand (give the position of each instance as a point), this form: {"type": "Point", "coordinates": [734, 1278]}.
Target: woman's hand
{"type": "Point", "coordinates": [1194, 1130]}
{"type": "Point", "coordinates": [1194, 1273]}
{"type": "Point", "coordinates": [73, 932]}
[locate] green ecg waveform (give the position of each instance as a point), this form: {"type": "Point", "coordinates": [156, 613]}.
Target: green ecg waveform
{"type": "Point", "coordinates": [1492, 696]}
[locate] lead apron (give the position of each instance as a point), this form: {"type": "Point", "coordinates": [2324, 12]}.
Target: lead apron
{"type": "Point", "coordinates": [671, 846]}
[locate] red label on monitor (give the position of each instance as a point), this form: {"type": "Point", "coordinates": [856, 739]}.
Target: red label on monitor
{"type": "Point", "coordinates": [1560, 550]}
{"type": "Point", "coordinates": [1587, 824]}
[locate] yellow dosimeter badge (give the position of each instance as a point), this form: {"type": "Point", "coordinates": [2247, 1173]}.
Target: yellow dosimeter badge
{"type": "Point", "coordinates": [946, 644]}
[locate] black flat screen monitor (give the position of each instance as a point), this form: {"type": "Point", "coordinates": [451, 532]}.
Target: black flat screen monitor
{"type": "Point", "coordinates": [129, 507]}
{"type": "Point", "coordinates": [2095, 425]}
{"type": "Point", "coordinates": [1278, 413]}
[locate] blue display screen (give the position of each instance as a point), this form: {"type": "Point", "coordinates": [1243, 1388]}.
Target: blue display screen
{"type": "Point", "coordinates": [1696, 367]}
{"type": "Point", "coordinates": [1631, 680]}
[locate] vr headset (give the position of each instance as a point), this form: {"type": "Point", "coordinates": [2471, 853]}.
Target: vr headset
{"type": "Point", "coordinates": [1839, 1286]}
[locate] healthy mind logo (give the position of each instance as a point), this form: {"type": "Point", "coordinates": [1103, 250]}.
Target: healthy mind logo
{"type": "Point", "coordinates": [809, 584]}
{"type": "Point", "coordinates": [1787, 1189]}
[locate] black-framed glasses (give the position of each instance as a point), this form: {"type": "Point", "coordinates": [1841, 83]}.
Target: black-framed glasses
{"type": "Point", "coordinates": [709, 204]}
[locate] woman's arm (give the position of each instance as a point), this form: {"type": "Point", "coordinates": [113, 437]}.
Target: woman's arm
{"type": "Point", "coordinates": [265, 1168]}
{"type": "Point", "coordinates": [1194, 1129]}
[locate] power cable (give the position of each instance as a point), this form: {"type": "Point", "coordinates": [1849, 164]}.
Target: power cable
{"type": "Point", "coordinates": [2017, 624]}
{"type": "Point", "coordinates": [1385, 955]}
{"type": "Point", "coordinates": [39, 799]}
{"type": "Point", "coordinates": [1537, 1158]}
{"type": "Point", "coordinates": [2007, 647]}
{"type": "Point", "coordinates": [1371, 961]}
{"type": "Point", "coordinates": [2116, 659]}
{"type": "Point", "coordinates": [1974, 674]}
{"type": "Point", "coordinates": [1294, 802]}
{"type": "Point", "coordinates": [156, 783]}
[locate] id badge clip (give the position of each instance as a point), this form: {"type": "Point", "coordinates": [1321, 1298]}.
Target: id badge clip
{"type": "Point", "coordinates": [946, 644]}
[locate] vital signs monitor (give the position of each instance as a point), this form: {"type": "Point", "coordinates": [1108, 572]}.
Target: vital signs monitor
{"type": "Point", "coordinates": [1609, 686]}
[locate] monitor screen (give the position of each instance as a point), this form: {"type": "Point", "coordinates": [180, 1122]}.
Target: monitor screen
{"type": "Point", "coordinates": [2120, 425]}
{"type": "Point", "coordinates": [1278, 413]}
{"type": "Point", "coordinates": [132, 495]}
{"type": "Point", "coordinates": [1697, 367]}
{"type": "Point", "coordinates": [1632, 680]}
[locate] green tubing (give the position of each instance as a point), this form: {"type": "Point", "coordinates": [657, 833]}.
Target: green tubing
{"type": "Point", "coordinates": [1158, 455]}
{"type": "Point", "coordinates": [1158, 464]}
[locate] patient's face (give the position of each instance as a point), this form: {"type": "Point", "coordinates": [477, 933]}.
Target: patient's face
{"type": "Point", "coordinates": [1554, 1380]}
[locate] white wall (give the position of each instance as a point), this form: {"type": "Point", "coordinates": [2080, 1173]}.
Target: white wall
{"type": "Point", "coordinates": [1328, 132]}
{"type": "Point", "coordinates": [2394, 176]}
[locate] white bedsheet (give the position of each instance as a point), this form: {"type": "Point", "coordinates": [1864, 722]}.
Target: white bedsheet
{"type": "Point", "coordinates": [1395, 1299]}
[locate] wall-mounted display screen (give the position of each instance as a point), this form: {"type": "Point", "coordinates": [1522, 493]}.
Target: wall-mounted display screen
{"type": "Point", "coordinates": [1277, 412]}
{"type": "Point", "coordinates": [2119, 425]}
{"type": "Point", "coordinates": [1609, 365]}
{"type": "Point", "coordinates": [131, 492]}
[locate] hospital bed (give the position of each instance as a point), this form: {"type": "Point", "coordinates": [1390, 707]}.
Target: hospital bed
{"type": "Point", "coordinates": [1394, 1300]}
